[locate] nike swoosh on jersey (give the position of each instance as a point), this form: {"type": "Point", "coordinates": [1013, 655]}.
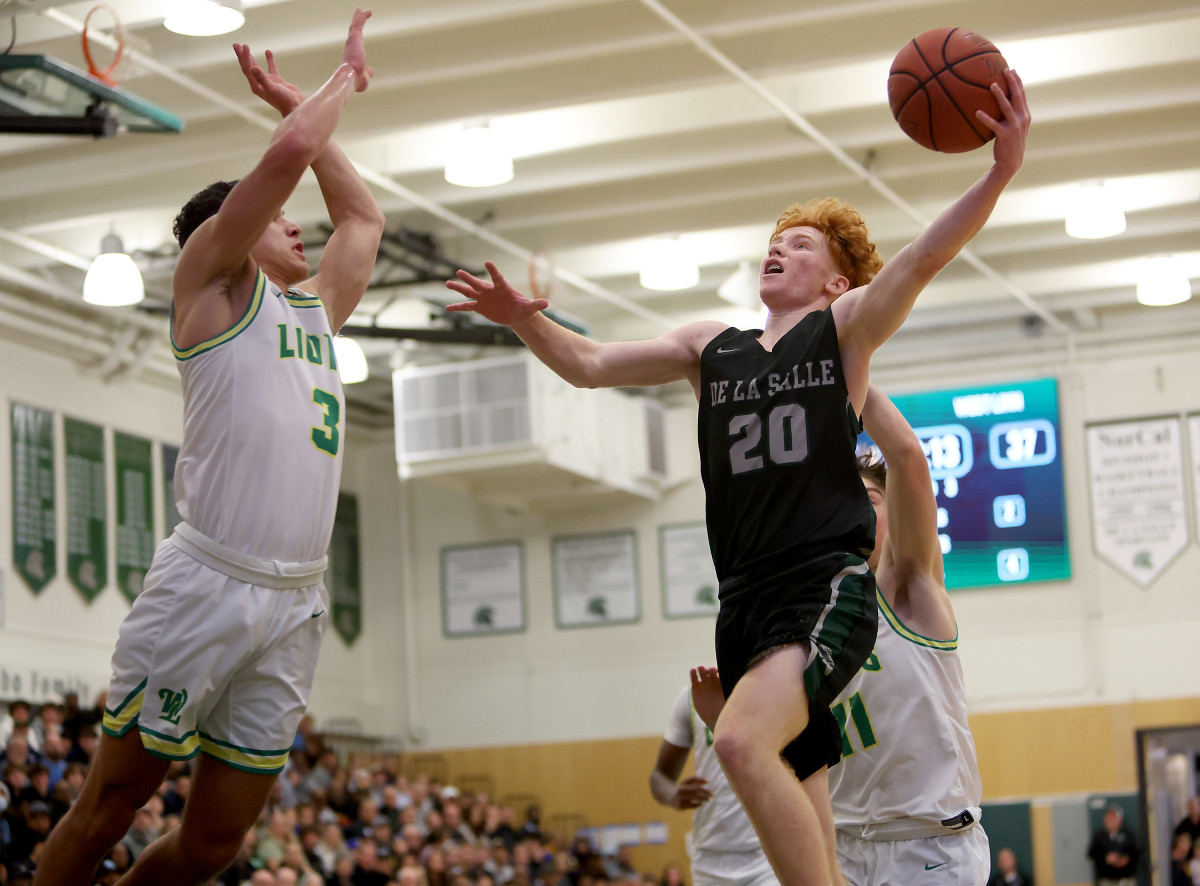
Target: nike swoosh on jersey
{"type": "Point", "coordinates": [317, 614]}
{"type": "Point", "coordinates": [727, 350]}
{"type": "Point", "coordinates": [930, 867]}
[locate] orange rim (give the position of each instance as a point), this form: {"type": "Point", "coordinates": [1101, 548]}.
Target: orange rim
{"type": "Point", "coordinates": [105, 76]}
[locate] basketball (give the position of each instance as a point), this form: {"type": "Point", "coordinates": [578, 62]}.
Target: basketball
{"type": "Point", "coordinates": [937, 82]}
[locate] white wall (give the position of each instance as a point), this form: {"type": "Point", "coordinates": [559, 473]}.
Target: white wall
{"type": "Point", "coordinates": [56, 635]}
{"type": "Point", "coordinates": [1095, 638]}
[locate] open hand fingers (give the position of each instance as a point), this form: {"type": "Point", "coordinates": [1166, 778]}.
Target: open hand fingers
{"type": "Point", "coordinates": [271, 68]}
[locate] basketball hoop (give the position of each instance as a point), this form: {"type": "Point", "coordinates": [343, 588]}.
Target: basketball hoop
{"type": "Point", "coordinates": [541, 274]}
{"type": "Point", "coordinates": [104, 76]}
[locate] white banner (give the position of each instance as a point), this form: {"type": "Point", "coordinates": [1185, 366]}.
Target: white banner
{"type": "Point", "coordinates": [483, 590]}
{"type": "Point", "coordinates": [688, 578]}
{"type": "Point", "coordinates": [1139, 505]}
{"type": "Point", "coordinates": [595, 579]}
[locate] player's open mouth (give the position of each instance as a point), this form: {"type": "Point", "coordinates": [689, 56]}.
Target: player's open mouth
{"type": "Point", "coordinates": [773, 268]}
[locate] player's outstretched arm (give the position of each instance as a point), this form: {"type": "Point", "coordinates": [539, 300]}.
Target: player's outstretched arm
{"type": "Point", "coordinates": [349, 256]}
{"type": "Point", "coordinates": [868, 316]}
{"type": "Point", "coordinates": [221, 246]}
{"type": "Point", "coordinates": [912, 556]}
{"type": "Point", "coordinates": [577, 359]}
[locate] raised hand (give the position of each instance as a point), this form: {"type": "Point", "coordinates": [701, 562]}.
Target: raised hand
{"type": "Point", "coordinates": [498, 301]}
{"type": "Point", "coordinates": [270, 86]}
{"type": "Point", "coordinates": [355, 54]}
{"type": "Point", "coordinates": [1012, 130]}
{"type": "Point", "coordinates": [708, 698]}
{"type": "Point", "coordinates": [691, 792]}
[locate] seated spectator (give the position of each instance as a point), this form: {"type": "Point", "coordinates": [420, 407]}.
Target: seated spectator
{"type": "Point", "coordinates": [49, 721]}
{"type": "Point", "coordinates": [177, 794]}
{"type": "Point", "coordinates": [18, 716]}
{"type": "Point", "coordinates": [85, 747]}
{"type": "Point", "coordinates": [18, 751]}
{"type": "Point", "coordinates": [72, 782]}
{"type": "Point", "coordinates": [1008, 873]}
{"type": "Point", "coordinates": [672, 875]}
{"type": "Point", "coordinates": [142, 832]}
{"type": "Point", "coordinates": [366, 865]}
{"type": "Point", "coordinates": [274, 841]}
{"type": "Point", "coordinates": [343, 871]}
{"type": "Point", "coordinates": [331, 845]}
{"type": "Point", "coordinates": [39, 789]}
{"type": "Point", "coordinates": [1190, 824]}
{"type": "Point", "coordinates": [55, 748]}
{"type": "Point", "coordinates": [1114, 851]}
{"type": "Point", "coordinates": [533, 823]}
{"type": "Point", "coordinates": [30, 830]}
{"type": "Point", "coordinates": [1181, 852]}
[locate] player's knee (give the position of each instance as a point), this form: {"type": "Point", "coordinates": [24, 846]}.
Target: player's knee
{"type": "Point", "coordinates": [211, 852]}
{"type": "Point", "coordinates": [102, 817]}
{"type": "Point", "coordinates": [734, 747]}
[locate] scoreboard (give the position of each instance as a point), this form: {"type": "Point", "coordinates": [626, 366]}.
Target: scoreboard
{"type": "Point", "coordinates": [996, 466]}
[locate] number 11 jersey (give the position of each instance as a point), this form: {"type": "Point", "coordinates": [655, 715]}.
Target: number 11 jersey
{"type": "Point", "coordinates": [261, 459]}
{"type": "Point", "coordinates": [777, 450]}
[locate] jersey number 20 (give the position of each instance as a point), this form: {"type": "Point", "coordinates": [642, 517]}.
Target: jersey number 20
{"type": "Point", "coordinates": [787, 438]}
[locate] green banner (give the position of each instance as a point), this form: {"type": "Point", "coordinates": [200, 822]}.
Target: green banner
{"type": "Point", "coordinates": [87, 508]}
{"type": "Point", "coordinates": [170, 455]}
{"type": "Point", "coordinates": [344, 588]}
{"type": "Point", "coordinates": [135, 512]}
{"type": "Point", "coordinates": [34, 520]}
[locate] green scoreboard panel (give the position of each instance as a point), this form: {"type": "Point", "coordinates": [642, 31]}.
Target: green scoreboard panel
{"type": "Point", "coordinates": [996, 465]}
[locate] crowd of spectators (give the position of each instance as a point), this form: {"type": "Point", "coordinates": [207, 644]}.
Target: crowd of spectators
{"type": "Point", "coordinates": [326, 823]}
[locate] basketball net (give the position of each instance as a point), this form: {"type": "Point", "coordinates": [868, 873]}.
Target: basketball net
{"type": "Point", "coordinates": [105, 75]}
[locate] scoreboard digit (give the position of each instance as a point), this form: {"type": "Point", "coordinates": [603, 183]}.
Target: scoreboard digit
{"type": "Point", "coordinates": [995, 464]}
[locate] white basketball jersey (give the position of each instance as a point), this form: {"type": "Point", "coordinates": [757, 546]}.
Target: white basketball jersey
{"type": "Point", "coordinates": [263, 425]}
{"type": "Point", "coordinates": [721, 824]}
{"type": "Point", "coordinates": [907, 751]}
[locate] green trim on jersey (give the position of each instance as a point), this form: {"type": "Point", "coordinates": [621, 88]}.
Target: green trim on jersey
{"type": "Point", "coordinates": [245, 759]}
{"type": "Point", "coordinates": [167, 746]}
{"type": "Point", "coordinates": [124, 716]}
{"type": "Point", "coordinates": [299, 299]}
{"type": "Point", "coordinates": [912, 636]}
{"type": "Point", "coordinates": [260, 286]}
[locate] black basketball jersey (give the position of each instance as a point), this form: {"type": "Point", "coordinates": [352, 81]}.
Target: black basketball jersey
{"type": "Point", "coordinates": [777, 439]}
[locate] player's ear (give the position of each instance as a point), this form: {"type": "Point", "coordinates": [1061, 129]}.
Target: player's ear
{"type": "Point", "coordinates": [838, 285]}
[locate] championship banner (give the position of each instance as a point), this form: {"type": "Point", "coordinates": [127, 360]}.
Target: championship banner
{"type": "Point", "coordinates": [1139, 503]}
{"type": "Point", "coordinates": [87, 508]}
{"type": "Point", "coordinates": [344, 577]}
{"type": "Point", "coordinates": [35, 553]}
{"type": "Point", "coordinates": [135, 512]}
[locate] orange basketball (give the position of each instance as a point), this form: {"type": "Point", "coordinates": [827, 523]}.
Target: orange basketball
{"type": "Point", "coordinates": [937, 82]}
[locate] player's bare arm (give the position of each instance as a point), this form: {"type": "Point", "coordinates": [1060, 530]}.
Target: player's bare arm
{"type": "Point", "coordinates": [349, 256]}
{"type": "Point", "coordinates": [584, 363]}
{"type": "Point", "coordinates": [870, 315]}
{"type": "Point", "coordinates": [665, 785]}
{"type": "Point", "coordinates": [215, 274]}
{"type": "Point", "coordinates": [910, 564]}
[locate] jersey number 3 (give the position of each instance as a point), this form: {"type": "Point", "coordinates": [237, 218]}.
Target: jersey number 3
{"type": "Point", "coordinates": [326, 437]}
{"type": "Point", "coordinates": [787, 438]}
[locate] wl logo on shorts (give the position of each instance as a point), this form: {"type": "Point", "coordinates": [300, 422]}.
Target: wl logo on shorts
{"type": "Point", "coordinates": [173, 703]}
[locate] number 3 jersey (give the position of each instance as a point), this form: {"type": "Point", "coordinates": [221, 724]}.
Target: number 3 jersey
{"type": "Point", "coordinates": [261, 458]}
{"type": "Point", "coordinates": [777, 450]}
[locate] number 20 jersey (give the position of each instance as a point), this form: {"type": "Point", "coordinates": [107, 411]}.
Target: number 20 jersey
{"type": "Point", "coordinates": [263, 418]}
{"type": "Point", "coordinates": [777, 450]}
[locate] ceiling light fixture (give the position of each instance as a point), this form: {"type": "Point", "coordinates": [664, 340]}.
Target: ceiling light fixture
{"type": "Point", "coordinates": [1163, 281]}
{"type": "Point", "coordinates": [203, 18]}
{"type": "Point", "coordinates": [351, 361]}
{"type": "Point", "coordinates": [478, 159]}
{"type": "Point", "coordinates": [1093, 213]}
{"type": "Point", "coordinates": [669, 265]}
{"type": "Point", "coordinates": [113, 279]}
